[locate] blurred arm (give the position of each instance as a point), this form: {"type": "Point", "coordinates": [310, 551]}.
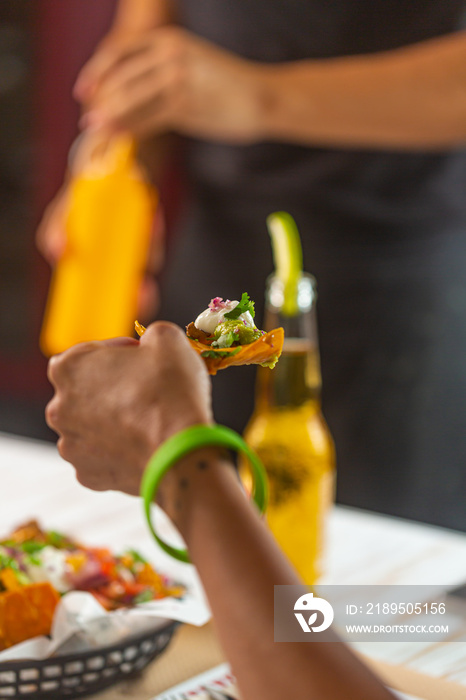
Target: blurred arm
{"type": "Point", "coordinates": [171, 80]}
{"type": "Point", "coordinates": [409, 98]}
{"type": "Point", "coordinates": [239, 564]}
{"type": "Point", "coordinates": [137, 16]}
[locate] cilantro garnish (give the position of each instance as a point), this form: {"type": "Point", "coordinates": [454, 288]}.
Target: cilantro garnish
{"type": "Point", "coordinates": [212, 354]}
{"type": "Point", "coordinates": [56, 539]}
{"type": "Point", "coordinates": [245, 305]}
{"type": "Point", "coordinates": [32, 547]}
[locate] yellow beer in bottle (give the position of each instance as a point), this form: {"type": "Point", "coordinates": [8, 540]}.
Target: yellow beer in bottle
{"type": "Point", "coordinates": [94, 287]}
{"type": "Point", "coordinates": [289, 433]}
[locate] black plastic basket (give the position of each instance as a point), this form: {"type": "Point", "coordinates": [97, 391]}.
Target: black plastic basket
{"type": "Point", "coordinates": [81, 674]}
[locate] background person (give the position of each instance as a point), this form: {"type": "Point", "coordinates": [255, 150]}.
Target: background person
{"type": "Point", "coordinates": [352, 116]}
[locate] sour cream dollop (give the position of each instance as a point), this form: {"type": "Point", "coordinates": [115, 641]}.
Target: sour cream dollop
{"type": "Point", "coordinates": [52, 568]}
{"type": "Point", "coordinates": [209, 319]}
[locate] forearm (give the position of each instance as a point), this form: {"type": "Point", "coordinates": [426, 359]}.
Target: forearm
{"type": "Point", "coordinates": [138, 16]}
{"type": "Point", "coordinates": [410, 98]}
{"type": "Point", "coordinates": [239, 564]}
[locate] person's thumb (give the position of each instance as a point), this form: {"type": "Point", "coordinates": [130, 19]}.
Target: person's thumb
{"type": "Point", "coordinates": [114, 342]}
{"type": "Point", "coordinates": [162, 332]}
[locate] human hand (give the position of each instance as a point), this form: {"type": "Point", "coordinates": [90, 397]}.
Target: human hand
{"type": "Point", "coordinates": [132, 19]}
{"type": "Point", "coordinates": [116, 401]}
{"type": "Point", "coordinates": [51, 238]}
{"type": "Point", "coordinates": [170, 80]}
{"type": "Point", "coordinates": [50, 234]}
{"type": "Point", "coordinates": [92, 72]}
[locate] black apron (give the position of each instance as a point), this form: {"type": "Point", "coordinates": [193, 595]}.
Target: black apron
{"type": "Point", "coordinates": [383, 232]}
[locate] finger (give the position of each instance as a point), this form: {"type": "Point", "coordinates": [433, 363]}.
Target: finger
{"type": "Point", "coordinates": [150, 119]}
{"type": "Point", "coordinates": [135, 107]}
{"type": "Point", "coordinates": [52, 414]}
{"type": "Point", "coordinates": [94, 70]}
{"type": "Point", "coordinates": [102, 63]}
{"type": "Point", "coordinates": [60, 366]}
{"type": "Point", "coordinates": [54, 371]}
{"type": "Point", "coordinates": [70, 448]}
{"type": "Point", "coordinates": [62, 447]}
{"type": "Point", "coordinates": [170, 350]}
{"type": "Point", "coordinates": [163, 332]}
{"type": "Point", "coordinates": [50, 235]}
{"type": "Point", "coordinates": [87, 478]}
{"type": "Point", "coordinates": [117, 342]}
{"type": "Point", "coordinates": [59, 418]}
{"type": "Point", "coordinates": [126, 74]}
{"type": "Point", "coordinates": [152, 53]}
{"type": "Point", "coordinates": [51, 240]}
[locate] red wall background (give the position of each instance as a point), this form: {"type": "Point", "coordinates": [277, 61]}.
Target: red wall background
{"type": "Point", "coordinates": [62, 35]}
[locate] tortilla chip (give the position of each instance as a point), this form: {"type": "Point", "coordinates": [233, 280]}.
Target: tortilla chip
{"type": "Point", "coordinates": [29, 531]}
{"type": "Point", "coordinates": [9, 580]}
{"type": "Point", "coordinates": [264, 350]}
{"type": "Point", "coordinates": [27, 613]}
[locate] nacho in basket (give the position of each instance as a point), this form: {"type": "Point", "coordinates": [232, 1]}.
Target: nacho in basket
{"type": "Point", "coordinates": [39, 567]}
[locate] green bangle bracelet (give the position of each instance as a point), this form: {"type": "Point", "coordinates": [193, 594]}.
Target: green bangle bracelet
{"type": "Point", "coordinates": [177, 447]}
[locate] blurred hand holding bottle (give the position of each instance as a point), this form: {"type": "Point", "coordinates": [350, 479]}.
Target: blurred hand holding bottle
{"type": "Point", "coordinates": [102, 233]}
{"type": "Point", "coordinates": [107, 211]}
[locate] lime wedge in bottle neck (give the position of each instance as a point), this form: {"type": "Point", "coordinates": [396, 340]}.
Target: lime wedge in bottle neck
{"type": "Point", "coordinates": [287, 256]}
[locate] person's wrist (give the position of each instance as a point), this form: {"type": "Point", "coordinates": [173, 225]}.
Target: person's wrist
{"type": "Point", "coordinates": [157, 430]}
{"type": "Point", "coordinates": [190, 481]}
{"type": "Point", "coordinates": [268, 87]}
{"type": "Point", "coordinates": [195, 487]}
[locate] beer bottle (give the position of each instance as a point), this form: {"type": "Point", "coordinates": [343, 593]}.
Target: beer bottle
{"type": "Point", "coordinates": [289, 433]}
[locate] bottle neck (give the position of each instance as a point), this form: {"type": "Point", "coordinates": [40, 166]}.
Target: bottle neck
{"type": "Point", "coordinates": [296, 379]}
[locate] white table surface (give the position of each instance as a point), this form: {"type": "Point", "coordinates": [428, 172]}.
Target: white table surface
{"type": "Point", "coordinates": [36, 483]}
{"type": "Point", "coordinates": [363, 548]}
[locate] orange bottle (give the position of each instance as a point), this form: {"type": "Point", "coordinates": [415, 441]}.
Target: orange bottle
{"type": "Point", "coordinates": [94, 288]}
